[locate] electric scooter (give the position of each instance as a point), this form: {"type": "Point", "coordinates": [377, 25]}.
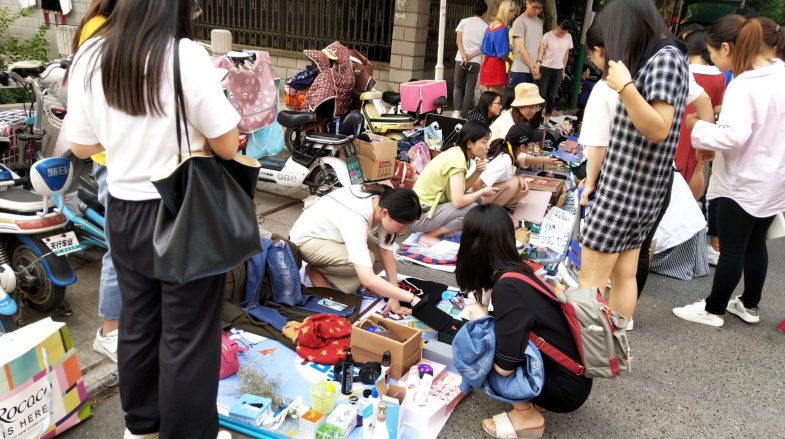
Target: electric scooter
{"type": "Point", "coordinates": [33, 245]}
{"type": "Point", "coordinates": [314, 160]}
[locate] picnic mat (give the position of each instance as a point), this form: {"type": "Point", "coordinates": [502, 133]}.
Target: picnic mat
{"type": "Point", "coordinates": [442, 256]}
{"type": "Point", "coordinates": [296, 376]}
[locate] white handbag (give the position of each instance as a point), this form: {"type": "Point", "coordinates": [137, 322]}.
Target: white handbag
{"type": "Point", "coordinates": [777, 227]}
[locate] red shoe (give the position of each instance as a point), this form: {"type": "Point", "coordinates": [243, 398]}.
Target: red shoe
{"type": "Point", "coordinates": [781, 326]}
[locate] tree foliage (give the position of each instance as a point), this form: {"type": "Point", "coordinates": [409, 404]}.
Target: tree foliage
{"type": "Point", "coordinates": [14, 49]}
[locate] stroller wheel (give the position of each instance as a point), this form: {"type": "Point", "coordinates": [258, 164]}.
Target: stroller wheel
{"type": "Point", "coordinates": [324, 181]}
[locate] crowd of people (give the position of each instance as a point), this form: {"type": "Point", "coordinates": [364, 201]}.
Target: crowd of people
{"type": "Point", "coordinates": [649, 120]}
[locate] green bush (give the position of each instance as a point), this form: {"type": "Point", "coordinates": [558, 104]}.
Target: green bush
{"type": "Point", "coordinates": [14, 49]}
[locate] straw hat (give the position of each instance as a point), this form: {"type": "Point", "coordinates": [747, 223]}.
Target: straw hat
{"type": "Point", "coordinates": [527, 94]}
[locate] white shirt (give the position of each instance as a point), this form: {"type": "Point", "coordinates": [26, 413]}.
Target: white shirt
{"type": "Point", "coordinates": [497, 170]}
{"type": "Point", "coordinates": [344, 215]}
{"type": "Point", "coordinates": [749, 138]}
{"type": "Point", "coordinates": [598, 115]}
{"type": "Point", "coordinates": [136, 146]}
{"type": "Point", "coordinates": [601, 108]}
{"type": "Point", "coordinates": [502, 125]}
{"type": "Point", "coordinates": [473, 29]}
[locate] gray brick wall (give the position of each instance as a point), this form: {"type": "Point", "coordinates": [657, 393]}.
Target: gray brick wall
{"type": "Point", "coordinates": [27, 27]}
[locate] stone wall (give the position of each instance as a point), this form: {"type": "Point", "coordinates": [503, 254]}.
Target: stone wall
{"type": "Point", "coordinates": [27, 27]}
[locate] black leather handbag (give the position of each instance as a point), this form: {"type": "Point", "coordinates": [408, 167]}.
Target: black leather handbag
{"type": "Point", "coordinates": [206, 222]}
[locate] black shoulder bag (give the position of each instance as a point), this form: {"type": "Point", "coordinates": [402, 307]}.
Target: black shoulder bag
{"type": "Point", "coordinates": [206, 222]}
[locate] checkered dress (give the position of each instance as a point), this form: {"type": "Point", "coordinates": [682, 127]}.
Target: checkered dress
{"type": "Point", "coordinates": [635, 171]}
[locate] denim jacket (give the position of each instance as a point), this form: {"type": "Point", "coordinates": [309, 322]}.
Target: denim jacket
{"type": "Point", "coordinates": [473, 351]}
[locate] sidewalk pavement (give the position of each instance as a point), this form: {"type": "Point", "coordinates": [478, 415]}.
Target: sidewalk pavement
{"type": "Point", "coordinates": [688, 380]}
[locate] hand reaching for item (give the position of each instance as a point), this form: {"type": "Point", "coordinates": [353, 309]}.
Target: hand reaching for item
{"type": "Point", "coordinates": [704, 156]}
{"type": "Point", "coordinates": [544, 160]}
{"type": "Point", "coordinates": [481, 164]}
{"type": "Point", "coordinates": [618, 75]}
{"type": "Point", "coordinates": [394, 306]}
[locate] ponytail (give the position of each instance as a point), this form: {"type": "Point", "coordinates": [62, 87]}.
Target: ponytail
{"type": "Point", "coordinates": [749, 45]}
{"type": "Point", "coordinates": [773, 36]}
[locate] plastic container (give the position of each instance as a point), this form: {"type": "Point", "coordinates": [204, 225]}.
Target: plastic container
{"type": "Point", "coordinates": [323, 396]}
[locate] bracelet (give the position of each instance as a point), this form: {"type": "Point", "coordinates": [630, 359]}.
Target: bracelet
{"type": "Point", "coordinates": [624, 86]}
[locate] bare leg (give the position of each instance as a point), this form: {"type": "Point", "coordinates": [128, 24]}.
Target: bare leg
{"type": "Point", "coordinates": [624, 293]}
{"type": "Point", "coordinates": [316, 277]}
{"type": "Point", "coordinates": [511, 193]}
{"type": "Point", "coordinates": [431, 238]}
{"type": "Point", "coordinates": [109, 326]}
{"type": "Point", "coordinates": [596, 268]}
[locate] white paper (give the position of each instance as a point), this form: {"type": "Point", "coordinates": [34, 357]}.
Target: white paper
{"type": "Point", "coordinates": [555, 229]}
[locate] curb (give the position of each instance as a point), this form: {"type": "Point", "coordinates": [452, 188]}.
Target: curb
{"type": "Point", "coordinates": [101, 379]}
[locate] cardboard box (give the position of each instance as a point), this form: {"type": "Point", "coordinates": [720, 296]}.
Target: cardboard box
{"type": "Point", "coordinates": [376, 170]}
{"type": "Point", "coordinates": [546, 184]}
{"type": "Point", "coordinates": [368, 346]}
{"type": "Point", "coordinates": [377, 151]}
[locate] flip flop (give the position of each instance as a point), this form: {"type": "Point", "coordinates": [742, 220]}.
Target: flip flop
{"type": "Point", "coordinates": [502, 428]}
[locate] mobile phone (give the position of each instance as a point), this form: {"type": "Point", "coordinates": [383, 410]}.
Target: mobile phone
{"type": "Point", "coordinates": [332, 304]}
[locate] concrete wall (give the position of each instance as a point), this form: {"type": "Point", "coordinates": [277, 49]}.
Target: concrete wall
{"type": "Point", "coordinates": [27, 27]}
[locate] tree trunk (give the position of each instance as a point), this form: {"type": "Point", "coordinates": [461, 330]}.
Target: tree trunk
{"type": "Point", "coordinates": [550, 15]}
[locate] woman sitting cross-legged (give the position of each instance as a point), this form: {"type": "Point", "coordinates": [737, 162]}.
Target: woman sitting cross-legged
{"type": "Point", "coordinates": [487, 252]}
{"type": "Point", "coordinates": [443, 184]}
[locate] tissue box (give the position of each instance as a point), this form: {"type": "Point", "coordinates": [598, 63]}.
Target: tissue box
{"type": "Point", "coordinates": [250, 409]}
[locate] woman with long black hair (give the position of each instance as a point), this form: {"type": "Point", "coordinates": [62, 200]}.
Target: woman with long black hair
{"type": "Point", "coordinates": [487, 252]}
{"type": "Point", "coordinates": [650, 74]}
{"type": "Point", "coordinates": [121, 100]}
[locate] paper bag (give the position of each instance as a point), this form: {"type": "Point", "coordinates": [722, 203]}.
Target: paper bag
{"type": "Point", "coordinates": [41, 389]}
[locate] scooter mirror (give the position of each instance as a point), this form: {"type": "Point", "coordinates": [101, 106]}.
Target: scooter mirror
{"type": "Point", "coordinates": [49, 176]}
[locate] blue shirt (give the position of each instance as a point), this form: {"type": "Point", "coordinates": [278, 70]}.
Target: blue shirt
{"type": "Point", "coordinates": [496, 42]}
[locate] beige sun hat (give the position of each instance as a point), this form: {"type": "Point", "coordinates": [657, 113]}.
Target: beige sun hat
{"type": "Point", "coordinates": [527, 94]}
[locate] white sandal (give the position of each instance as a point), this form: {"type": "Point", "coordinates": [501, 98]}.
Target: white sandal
{"type": "Point", "coordinates": [503, 429]}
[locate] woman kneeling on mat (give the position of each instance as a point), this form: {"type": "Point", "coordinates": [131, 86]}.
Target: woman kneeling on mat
{"type": "Point", "coordinates": [334, 239]}
{"type": "Point", "coordinates": [487, 252]}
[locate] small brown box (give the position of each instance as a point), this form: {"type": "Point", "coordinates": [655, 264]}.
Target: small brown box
{"type": "Point", "coordinates": [546, 184]}
{"type": "Point", "coordinates": [368, 346]}
{"type": "Point", "coordinates": [376, 170]}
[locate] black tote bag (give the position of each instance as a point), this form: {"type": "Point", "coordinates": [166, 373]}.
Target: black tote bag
{"type": "Point", "coordinates": [206, 222]}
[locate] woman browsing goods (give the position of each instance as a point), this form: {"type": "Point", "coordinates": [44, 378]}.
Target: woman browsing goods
{"type": "Point", "coordinates": [122, 101]}
{"type": "Point", "coordinates": [487, 252]}
{"type": "Point", "coordinates": [334, 237]}
{"type": "Point", "coordinates": [749, 169]}
{"type": "Point", "coordinates": [552, 57]}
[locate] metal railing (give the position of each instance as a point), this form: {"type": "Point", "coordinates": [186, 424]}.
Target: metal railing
{"type": "Point", "coordinates": [295, 25]}
{"type": "Point", "coordinates": [457, 10]}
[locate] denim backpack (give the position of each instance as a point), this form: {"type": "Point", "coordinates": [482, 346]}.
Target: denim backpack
{"type": "Point", "coordinates": [277, 262]}
{"type": "Point", "coordinates": [599, 332]}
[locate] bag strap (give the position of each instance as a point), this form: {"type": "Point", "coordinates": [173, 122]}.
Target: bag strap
{"type": "Point", "coordinates": [179, 103]}
{"type": "Point", "coordinates": [541, 344]}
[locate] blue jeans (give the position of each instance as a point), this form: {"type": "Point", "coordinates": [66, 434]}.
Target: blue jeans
{"type": "Point", "coordinates": [109, 301]}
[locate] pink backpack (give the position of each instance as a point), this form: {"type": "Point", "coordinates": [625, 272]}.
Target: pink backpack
{"type": "Point", "coordinates": [252, 92]}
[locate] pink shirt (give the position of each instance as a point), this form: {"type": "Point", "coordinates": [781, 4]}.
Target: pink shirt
{"type": "Point", "coordinates": [749, 139]}
{"type": "Point", "coordinates": [555, 48]}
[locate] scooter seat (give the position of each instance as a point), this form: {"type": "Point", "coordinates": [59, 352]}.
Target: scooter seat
{"type": "Point", "coordinates": [27, 68]}
{"type": "Point", "coordinates": [295, 119]}
{"type": "Point", "coordinates": [20, 200]}
{"type": "Point", "coordinates": [328, 138]}
{"type": "Point", "coordinates": [391, 97]}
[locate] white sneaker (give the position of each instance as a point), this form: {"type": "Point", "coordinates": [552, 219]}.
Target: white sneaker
{"type": "Point", "coordinates": [696, 312]}
{"type": "Point", "coordinates": [630, 325]}
{"type": "Point", "coordinates": [106, 345]}
{"type": "Point", "coordinates": [129, 435]}
{"type": "Point", "coordinates": [712, 255]}
{"type": "Point", "coordinates": [749, 315]}
{"type": "Point", "coordinates": [223, 434]}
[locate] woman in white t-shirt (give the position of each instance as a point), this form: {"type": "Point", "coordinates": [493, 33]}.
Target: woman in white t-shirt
{"type": "Point", "coordinates": [121, 101]}
{"type": "Point", "coordinates": [334, 237]}
{"type": "Point", "coordinates": [505, 156]}
{"type": "Point", "coordinates": [468, 37]}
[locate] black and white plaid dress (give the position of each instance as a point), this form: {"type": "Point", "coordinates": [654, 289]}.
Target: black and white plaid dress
{"type": "Point", "coordinates": [635, 172]}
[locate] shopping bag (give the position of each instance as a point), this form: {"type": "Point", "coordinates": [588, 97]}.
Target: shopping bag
{"type": "Point", "coordinates": [42, 393]}
{"type": "Point", "coordinates": [777, 227]}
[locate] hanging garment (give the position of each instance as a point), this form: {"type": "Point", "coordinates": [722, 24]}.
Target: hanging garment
{"type": "Point", "coordinates": [335, 79]}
